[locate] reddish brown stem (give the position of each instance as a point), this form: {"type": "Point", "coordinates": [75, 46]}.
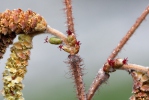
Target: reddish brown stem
{"type": "Point", "coordinates": [129, 34]}
{"type": "Point", "coordinates": [76, 71]}
{"type": "Point", "coordinates": [101, 78]}
{"type": "Point", "coordinates": [97, 81]}
{"type": "Point", "coordinates": [74, 60]}
{"type": "Point", "coordinates": [68, 11]}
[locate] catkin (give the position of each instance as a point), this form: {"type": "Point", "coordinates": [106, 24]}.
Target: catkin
{"type": "Point", "coordinates": [17, 21]}
{"type": "Point", "coordinates": [16, 68]}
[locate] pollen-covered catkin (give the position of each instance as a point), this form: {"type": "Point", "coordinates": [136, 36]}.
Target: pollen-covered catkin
{"type": "Point", "coordinates": [5, 41]}
{"type": "Point", "coordinates": [17, 21]}
{"type": "Point", "coordinates": [140, 86]}
{"type": "Point", "coordinates": [16, 68]}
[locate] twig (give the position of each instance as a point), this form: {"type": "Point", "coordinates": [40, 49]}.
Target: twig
{"type": "Point", "coordinates": [76, 71]}
{"type": "Point", "coordinates": [135, 67]}
{"type": "Point", "coordinates": [56, 33]}
{"type": "Point", "coordinates": [129, 34]}
{"type": "Point", "coordinates": [101, 77]}
{"type": "Point", "coordinates": [73, 49]}
{"type": "Point", "coordinates": [94, 85]}
{"type": "Point", "coordinates": [68, 11]}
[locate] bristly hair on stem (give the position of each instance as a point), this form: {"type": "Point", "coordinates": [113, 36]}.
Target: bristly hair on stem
{"type": "Point", "coordinates": [74, 59]}
{"type": "Point", "coordinates": [94, 87]}
{"type": "Point", "coordinates": [68, 11]}
{"type": "Point", "coordinates": [75, 63]}
{"type": "Point", "coordinates": [129, 34]}
{"type": "Point", "coordinates": [101, 78]}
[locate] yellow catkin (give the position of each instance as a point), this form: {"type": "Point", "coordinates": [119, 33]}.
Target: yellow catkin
{"type": "Point", "coordinates": [16, 68]}
{"type": "Point", "coordinates": [17, 21]}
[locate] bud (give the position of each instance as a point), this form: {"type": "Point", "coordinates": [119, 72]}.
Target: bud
{"type": "Point", "coordinates": [71, 39]}
{"type": "Point", "coordinates": [55, 40]}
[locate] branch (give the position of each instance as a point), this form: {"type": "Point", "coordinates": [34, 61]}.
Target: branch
{"type": "Point", "coordinates": [101, 77]}
{"type": "Point", "coordinates": [97, 81]}
{"type": "Point", "coordinates": [73, 47]}
{"type": "Point", "coordinates": [74, 62]}
{"type": "Point", "coordinates": [68, 11]}
{"type": "Point", "coordinates": [56, 33]}
{"type": "Point", "coordinates": [137, 68]}
{"type": "Point", "coordinates": [129, 34]}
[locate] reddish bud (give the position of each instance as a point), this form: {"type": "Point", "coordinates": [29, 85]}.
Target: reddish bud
{"type": "Point", "coordinates": [78, 43]}
{"type": "Point", "coordinates": [60, 47]}
{"type": "Point", "coordinates": [125, 60]}
{"type": "Point", "coordinates": [111, 62]}
{"type": "Point", "coordinates": [69, 32]}
{"type": "Point", "coordinates": [106, 67]}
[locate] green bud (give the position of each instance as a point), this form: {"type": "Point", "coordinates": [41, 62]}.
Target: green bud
{"type": "Point", "coordinates": [55, 40]}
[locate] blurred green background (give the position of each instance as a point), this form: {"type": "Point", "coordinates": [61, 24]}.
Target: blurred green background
{"type": "Point", "coordinates": [99, 25]}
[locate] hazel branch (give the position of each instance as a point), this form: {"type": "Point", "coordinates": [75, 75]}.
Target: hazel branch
{"type": "Point", "coordinates": [97, 81]}
{"type": "Point", "coordinates": [56, 33]}
{"type": "Point", "coordinates": [74, 62]}
{"type": "Point", "coordinates": [122, 64]}
{"type": "Point", "coordinates": [129, 34]}
{"type": "Point", "coordinates": [135, 67]}
{"type": "Point", "coordinates": [68, 11]}
{"type": "Point", "coordinates": [73, 47]}
{"type": "Point", "coordinates": [101, 77]}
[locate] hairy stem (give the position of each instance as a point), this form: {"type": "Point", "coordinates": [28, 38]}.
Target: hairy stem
{"type": "Point", "coordinates": [76, 71]}
{"type": "Point", "coordinates": [68, 11]}
{"type": "Point", "coordinates": [97, 81]}
{"type": "Point", "coordinates": [73, 47]}
{"type": "Point", "coordinates": [101, 78]}
{"type": "Point", "coordinates": [129, 34]}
